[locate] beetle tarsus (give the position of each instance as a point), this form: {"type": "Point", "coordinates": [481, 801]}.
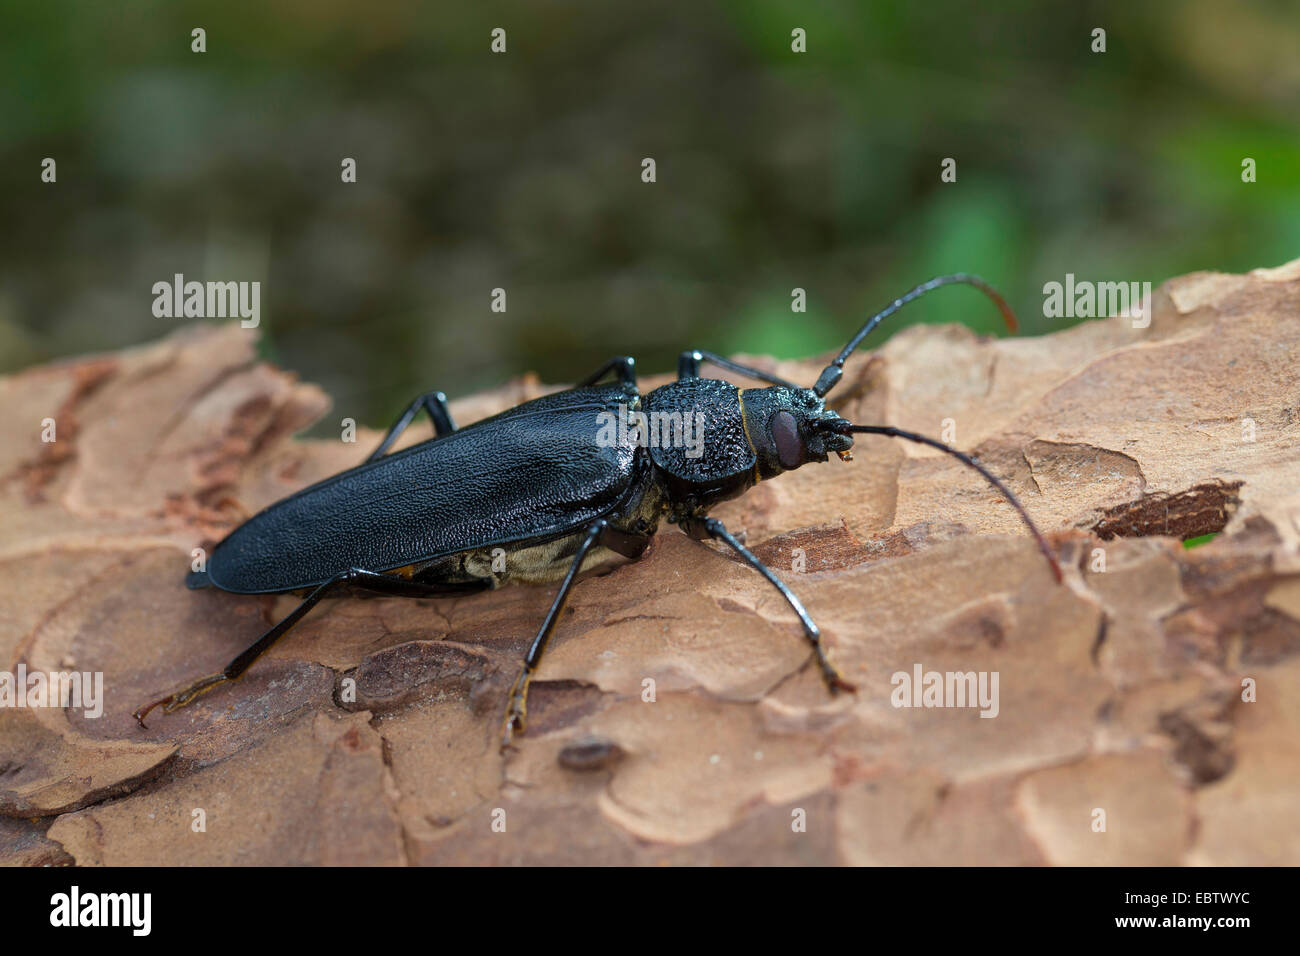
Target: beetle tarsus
{"type": "Point", "coordinates": [835, 682]}
{"type": "Point", "coordinates": [142, 712]}
{"type": "Point", "coordinates": [516, 710]}
{"type": "Point", "coordinates": [182, 698]}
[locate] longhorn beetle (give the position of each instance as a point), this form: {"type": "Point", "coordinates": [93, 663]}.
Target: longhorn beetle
{"type": "Point", "coordinates": [424, 521]}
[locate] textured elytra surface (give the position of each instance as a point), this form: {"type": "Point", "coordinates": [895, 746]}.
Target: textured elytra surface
{"type": "Point", "coordinates": [1119, 691]}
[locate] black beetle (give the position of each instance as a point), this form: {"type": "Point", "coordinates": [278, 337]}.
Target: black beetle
{"type": "Point", "coordinates": [563, 481]}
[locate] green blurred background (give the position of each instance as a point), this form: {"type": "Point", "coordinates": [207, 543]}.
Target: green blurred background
{"type": "Point", "coordinates": [775, 170]}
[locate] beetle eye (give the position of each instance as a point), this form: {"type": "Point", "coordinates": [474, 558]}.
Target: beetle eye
{"type": "Point", "coordinates": [790, 449]}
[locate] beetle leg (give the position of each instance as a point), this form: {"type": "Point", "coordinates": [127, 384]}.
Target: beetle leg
{"type": "Point", "coordinates": [354, 577]}
{"type": "Point", "coordinates": [627, 543]}
{"type": "Point", "coordinates": [688, 366]}
{"type": "Point", "coordinates": [623, 365]}
{"type": "Point", "coordinates": [435, 403]}
{"type": "Point", "coordinates": [718, 531]}
{"type": "Point", "coordinates": [517, 705]}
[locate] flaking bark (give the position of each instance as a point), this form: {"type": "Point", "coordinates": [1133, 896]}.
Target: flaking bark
{"type": "Point", "coordinates": [1120, 691]}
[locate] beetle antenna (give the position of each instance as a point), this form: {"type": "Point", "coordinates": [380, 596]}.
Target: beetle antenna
{"type": "Point", "coordinates": [843, 427]}
{"type": "Point", "coordinates": [831, 375]}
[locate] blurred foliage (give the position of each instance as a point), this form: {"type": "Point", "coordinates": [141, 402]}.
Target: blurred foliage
{"type": "Point", "coordinates": [775, 170]}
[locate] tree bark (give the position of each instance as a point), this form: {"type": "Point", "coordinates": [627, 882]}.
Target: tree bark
{"type": "Point", "coordinates": [1147, 709]}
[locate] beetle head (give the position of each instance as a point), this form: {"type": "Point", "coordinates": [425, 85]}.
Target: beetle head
{"type": "Point", "coordinates": [789, 427]}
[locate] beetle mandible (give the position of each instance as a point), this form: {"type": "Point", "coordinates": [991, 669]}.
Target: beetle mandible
{"type": "Point", "coordinates": [424, 521]}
